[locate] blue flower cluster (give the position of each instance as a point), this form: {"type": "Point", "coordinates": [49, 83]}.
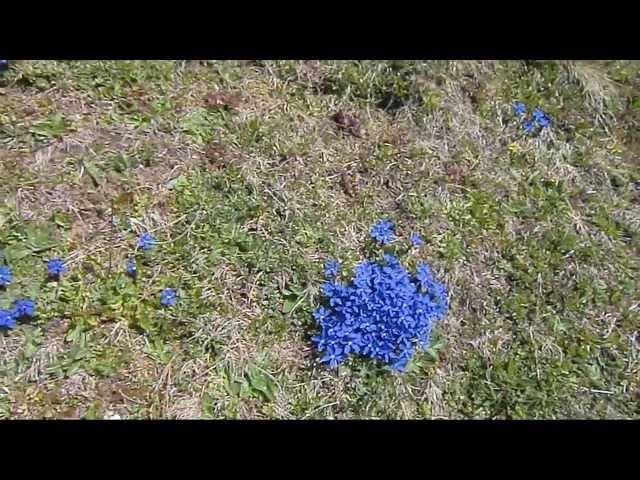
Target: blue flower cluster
{"type": "Point", "coordinates": [382, 232]}
{"type": "Point", "coordinates": [55, 268]}
{"type": "Point", "coordinates": [146, 242]}
{"type": "Point", "coordinates": [22, 309]}
{"type": "Point", "coordinates": [538, 120]}
{"type": "Point", "coordinates": [383, 313]}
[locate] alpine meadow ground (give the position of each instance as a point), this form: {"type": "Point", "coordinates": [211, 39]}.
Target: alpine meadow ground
{"type": "Point", "coordinates": [249, 176]}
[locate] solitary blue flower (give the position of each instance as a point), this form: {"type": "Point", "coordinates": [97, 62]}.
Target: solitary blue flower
{"type": "Point", "coordinates": [5, 276]}
{"type": "Point", "coordinates": [416, 240]}
{"type": "Point", "coordinates": [55, 268]}
{"type": "Point", "coordinates": [168, 297]}
{"type": "Point", "coordinates": [382, 232]}
{"type": "Point", "coordinates": [528, 127]}
{"type": "Point", "coordinates": [331, 269]}
{"type": "Point", "coordinates": [541, 118]}
{"type": "Point", "coordinates": [24, 308]}
{"type": "Point", "coordinates": [7, 319]}
{"type": "Point", "coordinates": [519, 109]}
{"type": "Point", "coordinates": [146, 241]}
{"type": "Point", "coordinates": [423, 275]}
{"type": "Point", "coordinates": [132, 270]}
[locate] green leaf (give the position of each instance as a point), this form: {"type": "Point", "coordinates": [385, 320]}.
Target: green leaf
{"type": "Point", "coordinates": [5, 215]}
{"type": "Point", "coordinates": [288, 306]}
{"type": "Point", "coordinates": [30, 289]}
{"type": "Point", "coordinates": [177, 183]}
{"type": "Point", "coordinates": [16, 252]}
{"type": "Point", "coordinates": [433, 354]}
{"type": "Point", "coordinates": [62, 219]}
{"type": "Point", "coordinates": [39, 237]}
{"type": "Point", "coordinates": [53, 127]}
{"type": "Point", "coordinates": [96, 174]}
{"type": "Point", "coordinates": [260, 384]}
{"type": "Point", "coordinates": [434, 348]}
{"type": "Point", "coordinates": [121, 162]}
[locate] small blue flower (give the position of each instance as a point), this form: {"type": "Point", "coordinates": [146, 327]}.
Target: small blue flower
{"type": "Point", "coordinates": [146, 241]}
{"type": "Point", "coordinates": [7, 319]}
{"type": "Point", "coordinates": [55, 268]}
{"type": "Point", "coordinates": [335, 355]}
{"type": "Point", "coordinates": [132, 270]}
{"type": "Point", "coordinates": [519, 109]}
{"type": "Point", "coordinates": [382, 232]}
{"type": "Point", "coordinates": [168, 297]}
{"type": "Point", "coordinates": [528, 127]}
{"type": "Point", "coordinates": [5, 276]}
{"type": "Point", "coordinates": [416, 240]}
{"type": "Point", "coordinates": [331, 268]}
{"type": "Point", "coordinates": [537, 113]}
{"type": "Point", "coordinates": [24, 308]}
{"type": "Point", "coordinates": [541, 118]}
{"type": "Point", "coordinates": [320, 314]}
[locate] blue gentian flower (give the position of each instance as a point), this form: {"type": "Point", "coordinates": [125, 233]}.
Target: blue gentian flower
{"type": "Point", "coordinates": [384, 313]}
{"type": "Point", "coordinates": [423, 275]}
{"type": "Point", "coordinates": [132, 270]}
{"type": "Point", "coordinates": [541, 118]}
{"type": "Point", "coordinates": [55, 268]}
{"type": "Point", "coordinates": [528, 127]}
{"type": "Point", "coordinates": [320, 314]}
{"type": "Point", "coordinates": [168, 297]}
{"type": "Point", "coordinates": [331, 269]}
{"type": "Point", "coordinates": [7, 319]}
{"type": "Point", "coordinates": [24, 308]}
{"type": "Point", "coordinates": [5, 276]}
{"type": "Point", "coordinates": [334, 356]}
{"type": "Point", "coordinates": [416, 240]}
{"type": "Point", "coordinates": [382, 232]}
{"type": "Point", "coordinates": [519, 109]}
{"type": "Point", "coordinates": [146, 241]}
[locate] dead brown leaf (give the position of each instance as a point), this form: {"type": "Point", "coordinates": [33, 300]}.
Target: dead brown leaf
{"type": "Point", "coordinates": [220, 100]}
{"type": "Point", "coordinates": [71, 413]}
{"type": "Point", "coordinates": [348, 184]}
{"type": "Point", "coordinates": [215, 156]}
{"type": "Point", "coordinates": [456, 174]}
{"type": "Point", "coordinates": [348, 123]}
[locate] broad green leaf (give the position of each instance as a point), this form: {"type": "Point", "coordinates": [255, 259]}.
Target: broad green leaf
{"type": "Point", "coordinates": [62, 219]}
{"type": "Point", "coordinates": [40, 237]}
{"type": "Point", "coordinates": [52, 127]}
{"type": "Point", "coordinates": [95, 172]}
{"type": "Point", "coordinates": [288, 306]}
{"type": "Point", "coordinates": [260, 383]}
{"type": "Point", "coordinates": [16, 252]}
{"type": "Point", "coordinates": [177, 183]}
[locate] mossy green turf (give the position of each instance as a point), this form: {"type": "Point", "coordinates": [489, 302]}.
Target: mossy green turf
{"type": "Point", "coordinates": [535, 238]}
